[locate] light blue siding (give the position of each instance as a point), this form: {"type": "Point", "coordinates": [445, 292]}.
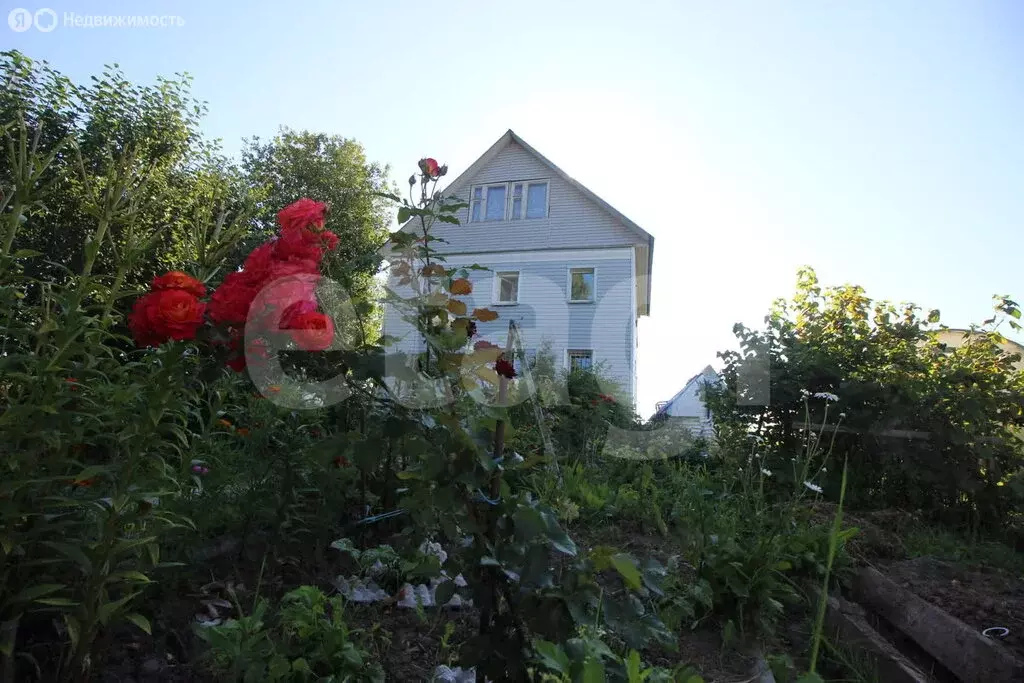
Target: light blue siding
{"type": "Point", "coordinates": [544, 314]}
{"type": "Point", "coordinates": [573, 221]}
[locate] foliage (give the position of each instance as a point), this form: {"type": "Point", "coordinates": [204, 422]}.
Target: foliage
{"type": "Point", "coordinates": [307, 639]}
{"type": "Point", "coordinates": [926, 427]}
{"type": "Point", "coordinates": [333, 169]}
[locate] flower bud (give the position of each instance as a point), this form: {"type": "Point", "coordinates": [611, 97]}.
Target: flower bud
{"type": "Point", "coordinates": [412, 180]}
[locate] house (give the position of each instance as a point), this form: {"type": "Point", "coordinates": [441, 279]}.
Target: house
{"type": "Point", "coordinates": [689, 408]}
{"type": "Point", "coordinates": [569, 269]}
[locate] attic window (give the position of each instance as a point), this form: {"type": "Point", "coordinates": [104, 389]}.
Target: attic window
{"type": "Point", "coordinates": [517, 200]}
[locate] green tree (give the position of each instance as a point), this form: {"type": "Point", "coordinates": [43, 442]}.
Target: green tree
{"type": "Point", "coordinates": [331, 169]}
{"type": "Point", "coordinates": [923, 426]}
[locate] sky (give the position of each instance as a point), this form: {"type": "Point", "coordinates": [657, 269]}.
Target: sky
{"type": "Point", "coordinates": [881, 143]}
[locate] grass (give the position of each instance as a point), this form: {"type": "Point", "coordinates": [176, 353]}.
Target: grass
{"type": "Point", "coordinates": [959, 548]}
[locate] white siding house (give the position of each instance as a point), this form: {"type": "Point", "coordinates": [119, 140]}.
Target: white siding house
{"type": "Point", "coordinates": [689, 408]}
{"type": "Point", "coordinates": [572, 271]}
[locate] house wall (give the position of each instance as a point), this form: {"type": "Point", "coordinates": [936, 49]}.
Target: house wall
{"type": "Point", "coordinates": [606, 326]}
{"type": "Point", "coordinates": [573, 221]}
{"type": "Point", "coordinates": [689, 403]}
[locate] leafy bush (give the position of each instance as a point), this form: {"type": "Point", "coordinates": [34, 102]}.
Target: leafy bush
{"type": "Point", "coordinates": [307, 639]}
{"type": "Point", "coordinates": [925, 427]}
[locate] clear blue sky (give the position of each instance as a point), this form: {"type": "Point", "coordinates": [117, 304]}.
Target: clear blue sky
{"type": "Point", "coordinates": [880, 142]}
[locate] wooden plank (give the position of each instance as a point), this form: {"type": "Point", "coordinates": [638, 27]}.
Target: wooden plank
{"type": "Point", "coordinates": [970, 656]}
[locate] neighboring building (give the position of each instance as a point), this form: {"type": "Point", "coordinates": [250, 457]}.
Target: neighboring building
{"type": "Point", "coordinates": [954, 337]}
{"type": "Point", "coordinates": [689, 408]}
{"type": "Point", "coordinates": [568, 268]}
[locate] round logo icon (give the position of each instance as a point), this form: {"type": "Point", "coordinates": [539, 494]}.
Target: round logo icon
{"type": "Point", "coordinates": [20, 19]}
{"type": "Point", "coordinates": [46, 19]}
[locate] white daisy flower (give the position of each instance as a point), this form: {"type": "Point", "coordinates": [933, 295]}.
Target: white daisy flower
{"type": "Point", "coordinates": [765, 472]}
{"type": "Point", "coordinates": [827, 396]}
{"type": "Point", "coordinates": [805, 393]}
{"type": "Point", "coordinates": [842, 416]}
{"type": "Point", "coordinates": [812, 486]}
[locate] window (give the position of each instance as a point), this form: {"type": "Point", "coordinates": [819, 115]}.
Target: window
{"type": "Point", "coordinates": [581, 359]}
{"type": "Point", "coordinates": [581, 285]}
{"type": "Point", "coordinates": [537, 200]}
{"type": "Point", "coordinates": [487, 203]}
{"type": "Point", "coordinates": [506, 287]}
{"type": "Point", "coordinates": [509, 201]}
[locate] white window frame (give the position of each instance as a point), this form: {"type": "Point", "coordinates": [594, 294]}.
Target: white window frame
{"type": "Point", "coordinates": [568, 285]}
{"type": "Point", "coordinates": [569, 356]}
{"type": "Point", "coordinates": [496, 288]}
{"type": "Point", "coordinates": [509, 189]}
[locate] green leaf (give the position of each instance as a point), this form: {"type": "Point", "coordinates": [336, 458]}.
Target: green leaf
{"type": "Point", "coordinates": [140, 621]}
{"type": "Point", "coordinates": [444, 592]}
{"type": "Point", "coordinates": [56, 602]}
{"type": "Point", "coordinates": [403, 214]}
{"type": "Point", "coordinates": [74, 630]}
{"type": "Point", "coordinates": [552, 656]}
{"type": "Point", "coordinates": [593, 671]}
{"type": "Point", "coordinates": [810, 677]}
{"type": "Point", "coordinates": [627, 569]}
{"type": "Point", "coordinates": [128, 577]}
{"type": "Point", "coordinates": [933, 315]}
{"type": "Point", "coordinates": [27, 253]}
{"type": "Point", "coordinates": [34, 592]}
{"type": "Point", "coordinates": [108, 609]}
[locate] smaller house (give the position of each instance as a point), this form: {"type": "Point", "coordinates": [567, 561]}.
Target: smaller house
{"type": "Point", "coordinates": [689, 408]}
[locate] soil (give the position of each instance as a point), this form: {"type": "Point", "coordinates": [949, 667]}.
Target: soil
{"type": "Point", "coordinates": [978, 597]}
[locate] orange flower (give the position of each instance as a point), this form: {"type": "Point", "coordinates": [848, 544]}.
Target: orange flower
{"type": "Point", "coordinates": [73, 383]}
{"type": "Point", "coordinates": [242, 431]}
{"type": "Point", "coordinates": [457, 307]}
{"type": "Point", "coordinates": [273, 388]}
{"type": "Point", "coordinates": [461, 286]}
{"type": "Point", "coordinates": [83, 482]}
{"type": "Point", "coordinates": [484, 315]}
{"type": "Point", "coordinates": [224, 422]}
{"type": "Point", "coordinates": [432, 269]}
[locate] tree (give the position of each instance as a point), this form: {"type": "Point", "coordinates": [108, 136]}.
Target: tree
{"type": "Point", "coordinates": [923, 426]}
{"type": "Point", "coordinates": [332, 169]}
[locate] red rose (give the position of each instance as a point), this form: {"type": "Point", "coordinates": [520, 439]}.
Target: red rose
{"type": "Point", "coordinates": [165, 314]}
{"type": "Point", "coordinates": [258, 262]}
{"type": "Point", "coordinates": [230, 302]}
{"type": "Point", "coordinates": [298, 245]}
{"type": "Point", "coordinates": [304, 213]}
{"type": "Point", "coordinates": [176, 279]}
{"type": "Point", "coordinates": [430, 168]}
{"type": "Point", "coordinates": [280, 293]}
{"type": "Point", "coordinates": [330, 240]}
{"type": "Point", "coordinates": [312, 331]}
{"type": "Point", "coordinates": [504, 368]}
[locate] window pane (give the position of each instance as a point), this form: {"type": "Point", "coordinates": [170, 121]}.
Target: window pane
{"type": "Point", "coordinates": [508, 287]}
{"type": "Point", "coordinates": [537, 200]}
{"type": "Point", "coordinates": [478, 193]}
{"type": "Point", "coordinates": [517, 208]}
{"type": "Point", "coordinates": [581, 360]}
{"type": "Point", "coordinates": [475, 216]}
{"type": "Point", "coordinates": [582, 285]}
{"type": "Point", "coordinates": [496, 203]}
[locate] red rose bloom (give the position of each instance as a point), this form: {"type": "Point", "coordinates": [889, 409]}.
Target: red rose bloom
{"type": "Point", "coordinates": [304, 213]}
{"type": "Point", "coordinates": [259, 262]}
{"type": "Point", "coordinates": [311, 331]}
{"type": "Point", "coordinates": [176, 279]}
{"type": "Point", "coordinates": [230, 302]}
{"type": "Point", "coordinates": [504, 368]}
{"type": "Point", "coordinates": [165, 314]}
{"type": "Point", "coordinates": [430, 168]}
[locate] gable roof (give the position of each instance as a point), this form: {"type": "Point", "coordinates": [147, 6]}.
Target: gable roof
{"type": "Point", "coordinates": [508, 138]}
{"type": "Point", "coordinates": [708, 372]}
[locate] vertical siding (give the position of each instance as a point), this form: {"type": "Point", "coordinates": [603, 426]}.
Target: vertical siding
{"type": "Point", "coordinates": [573, 221]}
{"type": "Point", "coordinates": [545, 315]}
